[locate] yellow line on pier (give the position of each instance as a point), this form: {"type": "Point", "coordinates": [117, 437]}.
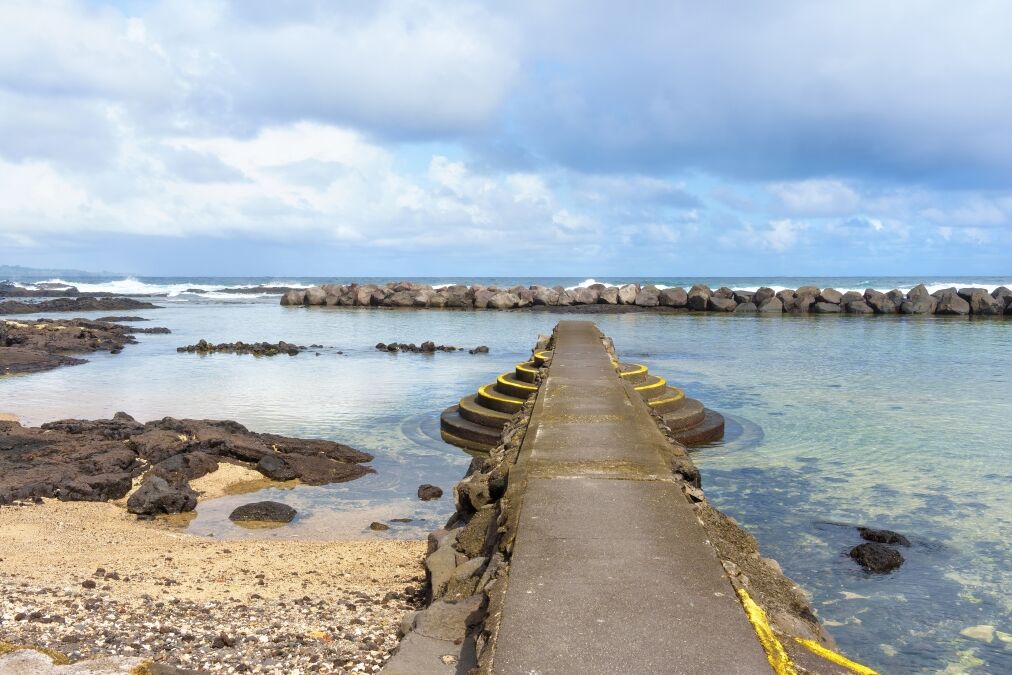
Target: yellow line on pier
{"type": "Point", "coordinates": [483, 390]}
{"type": "Point", "coordinates": [639, 370]}
{"type": "Point", "coordinates": [679, 395]}
{"type": "Point", "coordinates": [838, 659]}
{"type": "Point", "coordinates": [780, 662]}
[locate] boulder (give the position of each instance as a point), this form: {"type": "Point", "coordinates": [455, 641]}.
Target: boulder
{"type": "Point", "coordinates": [801, 303]}
{"type": "Point", "coordinates": [880, 302]}
{"type": "Point", "coordinates": [883, 536]}
{"type": "Point", "coordinates": [185, 467]}
{"type": "Point", "coordinates": [482, 298]}
{"type": "Point", "coordinates": [772, 306]}
{"type": "Point", "coordinates": [156, 495]}
{"type": "Point", "coordinates": [698, 297]}
{"type": "Point", "coordinates": [267, 512]}
{"type": "Point", "coordinates": [746, 308]}
{"type": "Point", "coordinates": [808, 290]}
{"type": "Point", "coordinates": [458, 296]}
{"type": "Point", "coordinates": [545, 296]}
{"type": "Point", "coordinates": [983, 303]}
{"type": "Point", "coordinates": [918, 291]}
{"type": "Point", "coordinates": [608, 296]}
{"type": "Point", "coordinates": [762, 295]}
{"type": "Point", "coordinates": [919, 304]}
{"type": "Point", "coordinates": [503, 300]}
{"type": "Point", "coordinates": [825, 308]}
{"type": "Point", "coordinates": [647, 298]}
{"type": "Point", "coordinates": [294, 297]}
{"type": "Point", "coordinates": [859, 307]}
{"type": "Point", "coordinates": [896, 296]}
{"type": "Point", "coordinates": [721, 304]}
{"type": "Point", "coordinates": [851, 296]}
{"type": "Point", "coordinates": [428, 492]}
{"type": "Point", "coordinates": [526, 296]}
{"type": "Point", "coordinates": [875, 557]}
{"type": "Point", "coordinates": [673, 297]}
{"type": "Point", "coordinates": [743, 296]}
{"type": "Point", "coordinates": [1001, 293]}
{"type": "Point", "coordinates": [724, 292]}
{"type": "Point", "coordinates": [585, 296]}
{"type": "Point", "coordinates": [627, 294]}
{"type": "Point", "coordinates": [400, 299]}
{"type": "Point", "coordinates": [830, 295]}
{"type": "Point", "coordinates": [950, 304]}
{"type": "Point", "coordinates": [567, 297]}
{"type": "Point", "coordinates": [315, 296]}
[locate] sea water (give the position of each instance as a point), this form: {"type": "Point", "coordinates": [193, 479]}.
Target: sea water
{"type": "Point", "coordinates": [834, 422]}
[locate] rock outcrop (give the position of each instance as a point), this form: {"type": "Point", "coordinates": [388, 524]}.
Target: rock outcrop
{"type": "Point", "coordinates": [97, 460]}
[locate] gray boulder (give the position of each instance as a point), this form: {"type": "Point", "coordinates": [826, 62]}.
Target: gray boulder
{"type": "Point", "coordinates": [950, 304]}
{"type": "Point", "coordinates": [825, 308]}
{"type": "Point", "coordinates": [851, 296]}
{"type": "Point", "coordinates": [400, 299]}
{"type": "Point", "coordinates": [762, 295]}
{"type": "Point", "coordinates": [545, 296]}
{"type": "Point", "coordinates": [858, 307]}
{"type": "Point", "coordinates": [608, 296]}
{"type": "Point", "coordinates": [743, 296]}
{"type": "Point", "coordinates": [919, 304]}
{"type": "Point", "coordinates": [918, 291]}
{"type": "Point", "coordinates": [627, 294]}
{"type": "Point", "coordinates": [983, 303]}
{"type": "Point", "coordinates": [772, 305]}
{"type": "Point", "coordinates": [673, 297]}
{"type": "Point", "coordinates": [585, 296]}
{"type": "Point", "coordinates": [647, 298]}
{"type": "Point", "coordinates": [294, 297]}
{"type": "Point", "coordinates": [503, 300]}
{"type": "Point", "coordinates": [316, 296]}
{"type": "Point", "coordinates": [830, 295]}
{"type": "Point", "coordinates": [880, 302]}
{"type": "Point", "coordinates": [698, 297]}
{"type": "Point", "coordinates": [719, 304]}
{"type": "Point", "coordinates": [746, 308]}
{"type": "Point", "coordinates": [482, 298]}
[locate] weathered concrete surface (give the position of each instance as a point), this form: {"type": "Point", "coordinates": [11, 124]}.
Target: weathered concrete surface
{"type": "Point", "coordinates": [611, 570]}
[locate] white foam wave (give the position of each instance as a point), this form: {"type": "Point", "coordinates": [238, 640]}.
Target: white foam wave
{"type": "Point", "coordinates": [134, 286]}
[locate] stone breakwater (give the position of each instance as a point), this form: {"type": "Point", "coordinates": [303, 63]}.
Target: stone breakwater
{"type": "Point", "coordinates": [633, 297]}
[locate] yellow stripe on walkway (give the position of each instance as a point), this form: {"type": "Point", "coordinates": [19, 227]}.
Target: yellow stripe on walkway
{"type": "Point", "coordinates": [780, 662]}
{"type": "Point", "coordinates": [522, 385]}
{"type": "Point", "coordinates": [838, 659]}
{"type": "Point", "coordinates": [659, 383]}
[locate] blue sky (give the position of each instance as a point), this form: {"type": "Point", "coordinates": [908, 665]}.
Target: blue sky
{"type": "Point", "coordinates": [521, 138]}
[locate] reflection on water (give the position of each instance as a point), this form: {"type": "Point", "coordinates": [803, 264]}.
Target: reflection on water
{"type": "Point", "coordinates": [832, 422]}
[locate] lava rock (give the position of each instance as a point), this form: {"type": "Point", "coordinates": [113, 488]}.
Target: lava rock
{"type": "Point", "coordinates": [428, 492]}
{"type": "Point", "coordinates": [156, 495]}
{"type": "Point", "coordinates": [883, 536]}
{"type": "Point", "coordinates": [269, 512]}
{"type": "Point", "coordinates": [876, 557]}
{"type": "Point", "coordinates": [378, 527]}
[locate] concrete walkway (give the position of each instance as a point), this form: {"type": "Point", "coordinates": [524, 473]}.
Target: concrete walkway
{"type": "Point", "coordinates": [611, 571]}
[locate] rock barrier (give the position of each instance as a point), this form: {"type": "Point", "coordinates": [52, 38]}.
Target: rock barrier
{"type": "Point", "coordinates": [633, 297]}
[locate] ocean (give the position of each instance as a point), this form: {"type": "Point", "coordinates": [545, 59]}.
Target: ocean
{"type": "Point", "coordinates": [833, 422]}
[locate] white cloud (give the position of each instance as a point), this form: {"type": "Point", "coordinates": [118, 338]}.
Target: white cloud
{"type": "Point", "coordinates": [822, 197]}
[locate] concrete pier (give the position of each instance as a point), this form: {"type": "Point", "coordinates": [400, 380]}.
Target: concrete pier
{"type": "Point", "coordinates": [611, 571]}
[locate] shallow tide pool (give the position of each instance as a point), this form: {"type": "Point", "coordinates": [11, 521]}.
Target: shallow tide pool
{"type": "Point", "coordinates": [835, 421]}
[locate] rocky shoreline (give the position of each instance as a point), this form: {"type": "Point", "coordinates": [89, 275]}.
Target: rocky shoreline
{"type": "Point", "coordinates": [44, 344]}
{"type": "Point", "coordinates": [633, 297]}
{"type": "Point", "coordinates": [101, 460]}
{"type": "Point", "coordinates": [86, 304]}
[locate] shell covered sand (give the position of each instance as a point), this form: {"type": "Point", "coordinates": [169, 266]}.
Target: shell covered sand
{"type": "Point", "coordinates": [87, 579]}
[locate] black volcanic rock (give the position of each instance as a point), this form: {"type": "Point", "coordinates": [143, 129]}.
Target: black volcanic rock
{"type": "Point", "coordinates": [268, 512]}
{"type": "Point", "coordinates": [876, 557]}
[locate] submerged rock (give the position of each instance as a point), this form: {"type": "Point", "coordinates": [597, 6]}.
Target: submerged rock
{"type": "Point", "coordinates": [268, 512]}
{"type": "Point", "coordinates": [883, 536]}
{"type": "Point", "coordinates": [876, 557]}
{"type": "Point", "coordinates": [254, 348]}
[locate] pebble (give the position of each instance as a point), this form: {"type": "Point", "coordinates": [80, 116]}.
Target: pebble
{"type": "Point", "coordinates": [348, 631]}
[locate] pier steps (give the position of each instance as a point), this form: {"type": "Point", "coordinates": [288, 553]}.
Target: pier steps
{"type": "Point", "coordinates": [476, 421]}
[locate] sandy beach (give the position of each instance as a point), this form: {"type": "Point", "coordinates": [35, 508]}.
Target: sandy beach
{"type": "Point", "coordinates": [88, 579]}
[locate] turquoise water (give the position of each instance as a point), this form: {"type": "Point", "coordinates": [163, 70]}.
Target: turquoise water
{"type": "Point", "coordinates": [835, 422]}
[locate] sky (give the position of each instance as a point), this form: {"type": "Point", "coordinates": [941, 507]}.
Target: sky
{"type": "Point", "coordinates": [521, 138]}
